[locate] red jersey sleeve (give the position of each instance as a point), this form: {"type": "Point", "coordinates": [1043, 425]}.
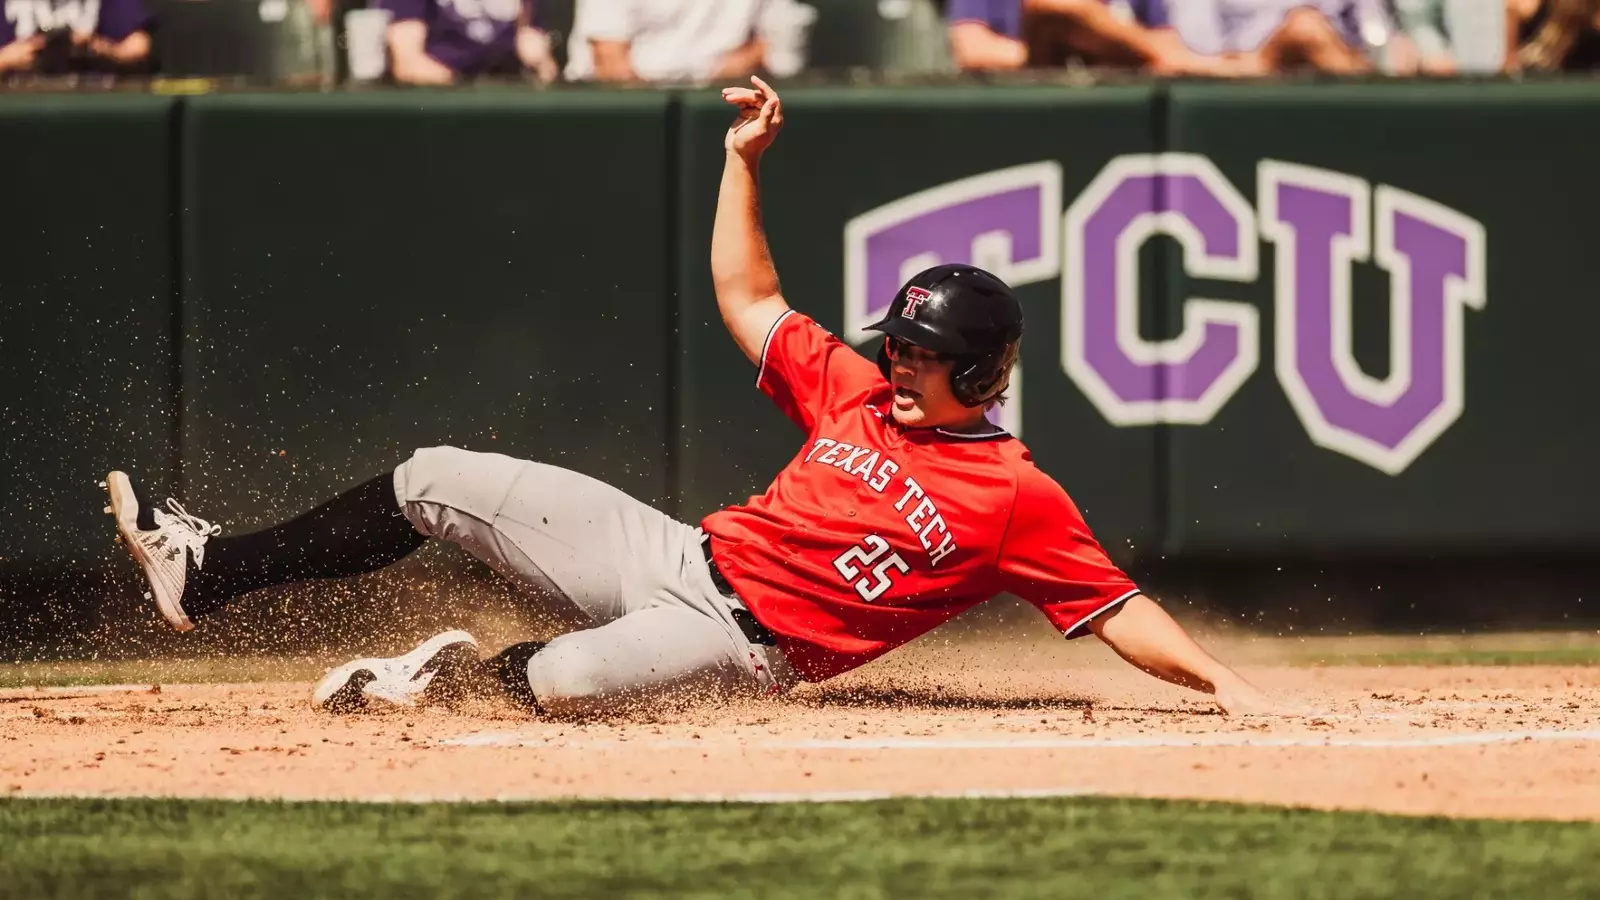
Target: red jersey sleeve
{"type": "Point", "coordinates": [803, 367]}
{"type": "Point", "coordinates": [1049, 558]}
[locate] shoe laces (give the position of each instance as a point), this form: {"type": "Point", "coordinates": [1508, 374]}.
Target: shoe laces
{"type": "Point", "coordinates": [199, 526]}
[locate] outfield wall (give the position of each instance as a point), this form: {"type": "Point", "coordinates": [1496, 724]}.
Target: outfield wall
{"type": "Point", "coordinates": [258, 300]}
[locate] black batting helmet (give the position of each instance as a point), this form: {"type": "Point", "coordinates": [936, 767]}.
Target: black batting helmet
{"type": "Point", "coordinates": [963, 312]}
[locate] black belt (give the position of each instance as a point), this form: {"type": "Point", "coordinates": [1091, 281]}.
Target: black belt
{"type": "Point", "coordinates": [754, 632]}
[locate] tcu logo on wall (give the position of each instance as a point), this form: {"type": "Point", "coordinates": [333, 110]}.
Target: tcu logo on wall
{"type": "Point", "coordinates": [1319, 222]}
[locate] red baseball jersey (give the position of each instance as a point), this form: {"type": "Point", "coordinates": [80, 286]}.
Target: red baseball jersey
{"type": "Point", "coordinates": [876, 533]}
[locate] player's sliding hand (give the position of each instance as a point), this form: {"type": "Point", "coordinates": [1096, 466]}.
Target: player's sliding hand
{"type": "Point", "coordinates": [760, 118]}
{"type": "Point", "coordinates": [1244, 700]}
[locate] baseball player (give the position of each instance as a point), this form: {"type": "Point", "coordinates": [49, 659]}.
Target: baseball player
{"type": "Point", "coordinates": [903, 507]}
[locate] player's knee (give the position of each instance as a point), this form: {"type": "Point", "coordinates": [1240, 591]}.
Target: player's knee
{"type": "Point", "coordinates": [429, 466]}
{"type": "Point", "coordinates": [437, 483]}
{"type": "Point", "coordinates": [567, 676]}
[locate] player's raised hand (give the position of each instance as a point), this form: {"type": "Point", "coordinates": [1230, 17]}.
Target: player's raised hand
{"type": "Point", "coordinates": [760, 118]}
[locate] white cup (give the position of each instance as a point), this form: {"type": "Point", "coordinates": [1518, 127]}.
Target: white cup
{"type": "Point", "coordinates": [365, 33]}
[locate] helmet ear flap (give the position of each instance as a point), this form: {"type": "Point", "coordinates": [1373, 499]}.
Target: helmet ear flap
{"type": "Point", "coordinates": [977, 380]}
{"type": "Point", "coordinates": [883, 358]}
{"type": "Point", "coordinates": [965, 379]}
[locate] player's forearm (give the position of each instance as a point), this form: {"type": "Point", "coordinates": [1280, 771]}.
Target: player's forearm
{"type": "Point", "coordinates": [741, 262]}
{"type": "Point", "coordinates": [1142, 633]}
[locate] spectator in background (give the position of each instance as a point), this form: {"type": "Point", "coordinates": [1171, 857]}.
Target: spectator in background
{"type": "Point", "coordinates": [55, 37]}
{"type": "Point", "coordinates": [1432, 28]}
{"type": "Point", "coordinates": [1011, 34]}
{"type": "Point", "coordinates": [1266, 36]}
{"type": "Point", "coordinates": [1555, 35]}
{"type": "Point", "coordinates": [1475, 36]}
{"type": "Point", "coordinates": [665, 40]}
{"type": "Point", "coordinates": [441, 41]}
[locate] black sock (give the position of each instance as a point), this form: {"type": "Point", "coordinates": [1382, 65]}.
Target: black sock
{"type": "Point", "coordinates": [509, 671]}
{"type": "Point", "coordinates": [361, 530]}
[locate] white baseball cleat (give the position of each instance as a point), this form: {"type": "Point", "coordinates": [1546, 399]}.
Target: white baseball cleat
{"type": "Point", "coordinates": [441, 670]}
{"type": "Point", "coordinates": [164, 551]}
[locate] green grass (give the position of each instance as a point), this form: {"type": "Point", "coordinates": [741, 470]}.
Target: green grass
{"type": "Point", "coordinates": [230, 670]}
{"type": "Point", "coordinates": [1544, 656]}
{"type": "Point", "coordinates": [1555, 648]}
{"type": "Point", "coordinates": [1080, 847]}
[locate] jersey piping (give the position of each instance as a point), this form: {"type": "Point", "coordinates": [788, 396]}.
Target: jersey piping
{"type": "Point", "coordinates": [766, 345]}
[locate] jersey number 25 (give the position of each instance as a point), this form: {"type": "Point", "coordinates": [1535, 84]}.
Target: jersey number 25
{"type": "Point", "coordinates": [870, 584]}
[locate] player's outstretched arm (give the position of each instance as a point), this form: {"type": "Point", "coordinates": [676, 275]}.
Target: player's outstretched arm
{"type": "Point", "coordinates": [1143, 634]}
{"type": "Point", "coordinates": [741, 264]}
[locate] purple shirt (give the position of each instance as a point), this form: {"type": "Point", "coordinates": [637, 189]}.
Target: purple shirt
{"type": "Point", "coordinates": [111, 19]}
{"type": "Point", "coordinates": [469, 36]}
{"type": "Point", "coordinates": [1004, 17]}
{"type": "Point", "coordinates": [1236, 26]}
{"type": "Point", "coordinates": [1150, 13]}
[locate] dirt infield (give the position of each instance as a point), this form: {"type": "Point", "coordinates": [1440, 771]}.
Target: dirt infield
{"type": "Point", "coordinates": [1514, 742]}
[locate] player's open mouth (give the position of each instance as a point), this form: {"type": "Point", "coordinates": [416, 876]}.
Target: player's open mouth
{"type": "Point", "coordinates": [905, 393]}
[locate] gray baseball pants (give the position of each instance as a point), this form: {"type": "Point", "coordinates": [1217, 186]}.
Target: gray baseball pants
{"type": "Point", "coordinates": [658, 625]}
